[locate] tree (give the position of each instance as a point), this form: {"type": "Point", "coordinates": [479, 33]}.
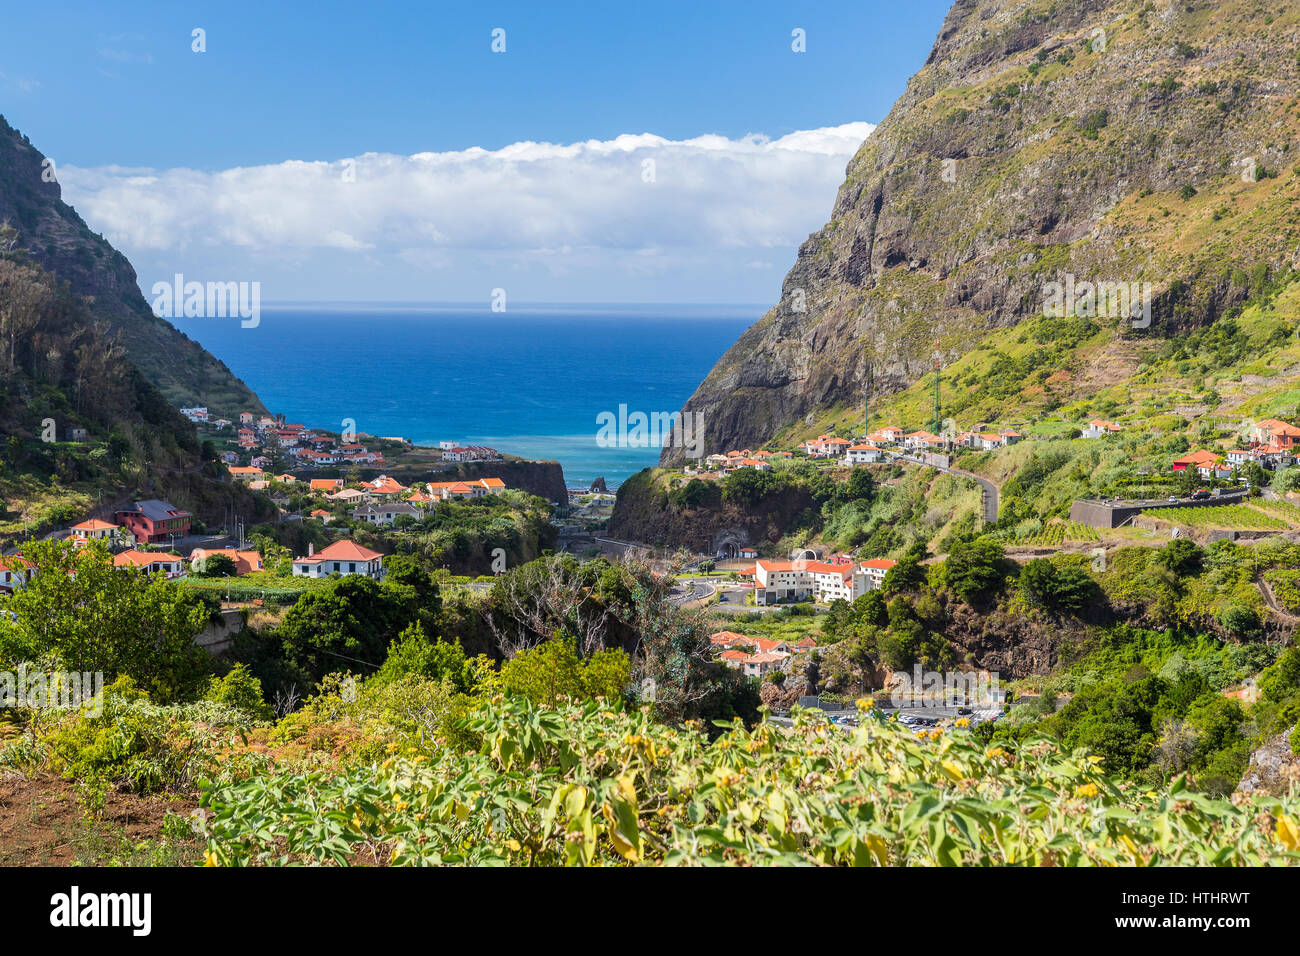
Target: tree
{"type": "Point", "coordinates": [1069, 588]}
{"type": "Point", "coordinates": [414, 655]}
{"type": "Point", "coordinates": [1038, 581]}
{"type": "Point", "coordinates": [241, 690]}
{"type": "Point", "coordinates": [531, 603]}
{"type": "Point", "coordinates": [908, 573]}
{"type": "Point", "coordinates": [349, 622]}
{"type": "Point", "coordinates": [552, 670]}
{"type": "Point", "coordinates": [973, 570]}
{"type": "Point", "coordinates": [218, 566]}
{"type": "Point", "coordinates": [1182, 557]}
{"type": "Point", "coordinates": [91, 616]}
{"type": "Point", "coordinates": [861, 485]}
{"type": "Point", "coordinates": [747, 486]}
{"type": "Point", "coordinates": [1239, 621]}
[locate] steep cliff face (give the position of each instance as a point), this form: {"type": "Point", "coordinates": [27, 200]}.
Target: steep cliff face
{"type": "Point", "coordinates": [54, 236]}
{"type": "Point", "coordinates": [643, 513]}
{"type": "Point", "coordinates": [545, 479]}
{"type": "Point", "coordinates": [1095, 141]}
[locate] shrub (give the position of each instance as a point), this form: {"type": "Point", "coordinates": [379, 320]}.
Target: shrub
{"type": "Point", "coordinates": [635, 791]}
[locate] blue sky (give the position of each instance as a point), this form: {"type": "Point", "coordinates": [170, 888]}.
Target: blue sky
{"type": "Point", "coordinates": [133, 119]}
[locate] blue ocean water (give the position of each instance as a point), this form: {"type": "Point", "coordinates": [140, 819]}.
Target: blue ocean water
{"type": "Point", "coordinates": [530, 381]}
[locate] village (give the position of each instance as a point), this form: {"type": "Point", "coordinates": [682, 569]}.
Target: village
{"type": "Point", "coordinates": [157, 537]}
{"type": "Point", "coordinates": [1270, 443]}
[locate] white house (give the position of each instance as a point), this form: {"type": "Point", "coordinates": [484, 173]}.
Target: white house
{"type": "Point", "coordinates": [1097, 428]}
{"type": "Point", "coordinates": [341, 557]}
{"type": "Point", "coordinates": [874, 571]}
{"type": "Point", "coordinates": [801, 580]}
{"type": "Point", "coordinates": [14, 573]}
{"type": "Point", "coordinates": [863, 454]}
{"type": "Point", "coordinates": [918, 441]}
{"type": "Point", "coordinates": [93, 530]}
{"type": "Point", "coordinates": [385, 513]}
{"type": "Point", "coordinates": [151, 562]}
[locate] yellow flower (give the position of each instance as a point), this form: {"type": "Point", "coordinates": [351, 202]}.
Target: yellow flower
{"type": "Point", "coordinates": [963, 722]}
{"type": "Point", "coordinates": [1086, 790]}
{"type": "Point", "coordinates": [210, 858]}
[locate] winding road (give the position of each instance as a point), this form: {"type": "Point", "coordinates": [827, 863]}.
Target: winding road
{"type": "Point", "coordinates": [990, 490]}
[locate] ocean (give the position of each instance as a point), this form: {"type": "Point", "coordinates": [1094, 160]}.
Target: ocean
{"type": "Point", "coordinates": [530, 381]}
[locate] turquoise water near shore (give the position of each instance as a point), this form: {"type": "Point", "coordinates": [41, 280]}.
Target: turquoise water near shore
{"type": "Point", "coordinates": [530, 381]}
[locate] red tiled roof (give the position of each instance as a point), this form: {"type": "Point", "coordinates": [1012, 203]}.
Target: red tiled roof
{"type": "Point", "coordinates": [345, 550]}
{"type": "Point", "coordinates": [93, 524]}
{"type": "Point", "coordinates": [882, 563]}
{"type": "Point", "coordinates": [142, 559]}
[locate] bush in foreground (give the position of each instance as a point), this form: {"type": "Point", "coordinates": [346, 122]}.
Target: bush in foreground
{"type": "Point", "coordinates": [588, 785]}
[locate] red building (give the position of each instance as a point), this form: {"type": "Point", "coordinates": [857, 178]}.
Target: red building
{"type": "Point", "coordinates": [155, 520]}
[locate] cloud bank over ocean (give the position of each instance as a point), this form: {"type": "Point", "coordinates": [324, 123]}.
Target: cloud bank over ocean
{"type": "Point", "coordinates": [635, 218]}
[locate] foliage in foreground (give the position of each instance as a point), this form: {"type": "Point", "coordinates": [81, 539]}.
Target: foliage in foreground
{"type": "Point", "coordinates": [587, 785]}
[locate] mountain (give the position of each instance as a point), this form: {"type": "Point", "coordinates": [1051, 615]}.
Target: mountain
{"type": "Point", "coordinates": [1041, 143]}
{"type": "Point", "coordinates": [57, 239]}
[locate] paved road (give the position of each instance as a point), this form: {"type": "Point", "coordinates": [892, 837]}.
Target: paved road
{"type": "Point", "coordinates": [990, 496]}
{"type": "Point", "coordinates": [683, 592]}
{"type": "Point", "coordinates": [990, 493]}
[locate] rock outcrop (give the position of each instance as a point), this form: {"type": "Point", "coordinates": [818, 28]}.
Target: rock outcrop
{"type": "Point", "coordinates": [1112, 141]}
{"type": "Point", "coordinates": [53, 235]}
{"type": "Point", "coordinates": [1274, 768]}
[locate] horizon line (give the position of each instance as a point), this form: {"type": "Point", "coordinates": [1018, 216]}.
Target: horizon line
{"type": "Point", "coordinates": [487, 303]}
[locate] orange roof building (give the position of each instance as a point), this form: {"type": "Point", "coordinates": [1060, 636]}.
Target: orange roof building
{"type": "Point", "coordinates": [341, 557]}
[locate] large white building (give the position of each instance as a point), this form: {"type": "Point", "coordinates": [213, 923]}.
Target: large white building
{"type": "Point", "coordinates": [825, 582]}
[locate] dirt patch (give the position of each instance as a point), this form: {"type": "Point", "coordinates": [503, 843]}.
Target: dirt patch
{"type": "Point", "coordinates": [45, 822]}
{"type": "Point", "coordinates": [1116, 361]}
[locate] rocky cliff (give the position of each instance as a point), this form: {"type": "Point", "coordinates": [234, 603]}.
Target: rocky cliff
{"type": "Point", "coordinates": [545, 479]}
{"type": "Point", "coordinates": [54, 236]}
{"type": "Point", "coordinates": [644, 513]}
{"type": "Point", "coordinates": [1116, 141]}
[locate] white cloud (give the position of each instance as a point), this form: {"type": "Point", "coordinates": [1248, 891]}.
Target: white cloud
{"type": "Point", "coordinates": [578, 218]}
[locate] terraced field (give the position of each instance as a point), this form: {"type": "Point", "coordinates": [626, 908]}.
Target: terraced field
{"type": "Point", "coordinates": [1279, 509]}
{"type": "Point", "coordinates": [1219, 517]}
{"type": "Point", "coordinates": [1060, 532]}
